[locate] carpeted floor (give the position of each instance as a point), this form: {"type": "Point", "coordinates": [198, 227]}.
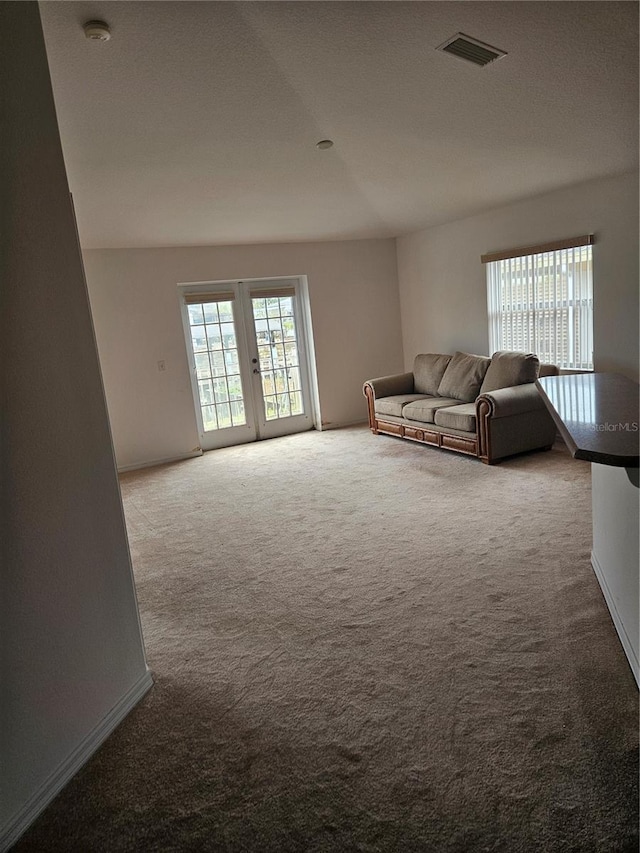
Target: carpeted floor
{"type": "Point", "coordinates": [361, 644]}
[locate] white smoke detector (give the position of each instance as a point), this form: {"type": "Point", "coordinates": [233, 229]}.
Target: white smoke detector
{"type": "Point", "coordinates": [97, 31]}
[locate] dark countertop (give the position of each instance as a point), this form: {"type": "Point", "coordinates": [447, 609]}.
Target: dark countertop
{"type": "Point", "coordinates": [596, 414]}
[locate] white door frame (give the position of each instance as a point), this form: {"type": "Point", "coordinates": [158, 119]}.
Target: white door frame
{"type": "Point", "coordinates": [257, 427]}
{"type": "Point", "coordinates": [294, 423]}
{"type": "Point", "coordinates": [213, 439]}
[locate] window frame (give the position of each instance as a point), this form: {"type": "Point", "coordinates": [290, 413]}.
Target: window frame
{"type": "Point", "coordinates": [540, 299]}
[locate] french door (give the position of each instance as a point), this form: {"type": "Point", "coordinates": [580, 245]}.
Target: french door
{"type": "Point", "coordinates": [249, 357]}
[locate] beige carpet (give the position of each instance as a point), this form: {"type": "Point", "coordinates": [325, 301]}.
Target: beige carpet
{"type": "Point", "coordinates": [361, 644]}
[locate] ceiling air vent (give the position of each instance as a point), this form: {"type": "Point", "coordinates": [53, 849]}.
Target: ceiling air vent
{"type": "Point", "coordinates": [465, 47]}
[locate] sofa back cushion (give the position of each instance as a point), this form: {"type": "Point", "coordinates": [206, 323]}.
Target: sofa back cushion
{"type": "Point", "coordinates": [510, 368]}
{"type": "Point", "coordinates": [428, 370]}
{"type": "Point", "coordinates": [463, 377]}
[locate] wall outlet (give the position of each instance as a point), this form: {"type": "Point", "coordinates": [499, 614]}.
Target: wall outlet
{"type": "Point", "coordinates": [162, 365]}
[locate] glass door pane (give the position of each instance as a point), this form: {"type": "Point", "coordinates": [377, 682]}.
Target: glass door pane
{"type": "Point", "coordinates": [218, 378]}
{"type": "Point", "coordinates": [278, 356]}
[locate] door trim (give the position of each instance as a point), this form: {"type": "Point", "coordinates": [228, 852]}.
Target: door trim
{"type": "Point", "coordinates": [291, 424]}
{"type": "Point", "coordinates": [241, 289]}
{"type": "Point", "coordinates": [214, 439]}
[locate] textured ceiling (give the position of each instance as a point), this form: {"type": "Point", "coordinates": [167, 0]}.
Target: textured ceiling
{"type": "Point", "coordinates": [196, 124]}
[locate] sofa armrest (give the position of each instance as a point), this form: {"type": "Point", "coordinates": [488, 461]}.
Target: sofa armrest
{"type": "Point", "coordinates": [515, 400]}
{"type": "Point", "coordinates": [512, 420]}
{"type": "Point", "coordinates": [386, 386]}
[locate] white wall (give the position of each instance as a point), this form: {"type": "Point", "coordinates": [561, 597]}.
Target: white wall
{"type": "Point", "coordinates": [615, 555]}
{"type": "Point", "coordinates": [70, 641]}
{"type": "Point", "coordinates": [443, 287]}
{"type": "Point", "coordinates": [134, 299]}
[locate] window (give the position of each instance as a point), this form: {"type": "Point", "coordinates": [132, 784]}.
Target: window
{"type": "Point", "coordinates": [540, 300]}
{"type": "Point", "coordinates": [215, 352]}
{"type": "Point", "coordinates": [278, 354]}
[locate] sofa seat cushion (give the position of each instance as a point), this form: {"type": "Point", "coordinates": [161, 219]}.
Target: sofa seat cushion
{"type": "Point", "coordinates": [428, 370]}
{"type": "Point", "coordinates": [458, 417]}
{"type": "Point", "coordinates": [425, 410]}
{"type": "Point", "coordinates": [463, 377]}
{"type": "Point", "coordinates": [508, 369]}
{"type": "Point", "coordinates": [394, 404]}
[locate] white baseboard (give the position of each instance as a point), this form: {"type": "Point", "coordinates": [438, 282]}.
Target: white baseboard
{"type": "Point", "coordinates": [25, 816]}
{"type": "Point", "coordinates": [137, 465]}
{"type": "Point", "coordinates": [331, 425]}
{"type": "Point", "coordinates": [617, 621]}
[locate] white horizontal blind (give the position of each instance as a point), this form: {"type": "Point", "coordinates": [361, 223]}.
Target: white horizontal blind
{"type": "Point", "coordinates": [543, 303]}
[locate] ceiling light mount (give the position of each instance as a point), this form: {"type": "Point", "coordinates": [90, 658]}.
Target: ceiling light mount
{"type": "Point", "coordinates": [97, 31]}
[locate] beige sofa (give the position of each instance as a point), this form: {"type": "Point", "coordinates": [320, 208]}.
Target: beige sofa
{"type": "Point", "coordinates": [485, 407]}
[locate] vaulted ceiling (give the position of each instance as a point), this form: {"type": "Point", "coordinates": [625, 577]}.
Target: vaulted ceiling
{"type": "Point", "coordinates": [197, 122]}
